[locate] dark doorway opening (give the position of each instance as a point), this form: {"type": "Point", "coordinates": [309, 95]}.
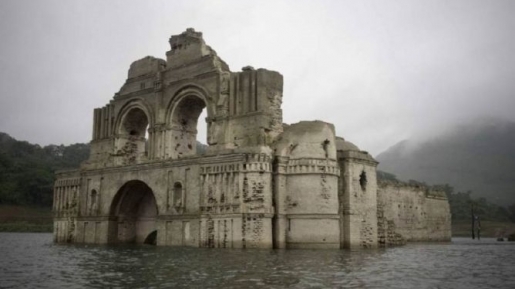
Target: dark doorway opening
{"type": "Point", "coordinates": [133, 214]}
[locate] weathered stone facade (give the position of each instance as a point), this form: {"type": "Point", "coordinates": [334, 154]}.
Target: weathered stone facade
{"type": "Point", "coordinates": [417, 213]}
{"type": "Point", "coordinates": [260, 184]}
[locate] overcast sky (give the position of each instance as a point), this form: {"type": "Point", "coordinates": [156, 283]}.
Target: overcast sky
{"type": "Point", "coordinates": [381, 71]}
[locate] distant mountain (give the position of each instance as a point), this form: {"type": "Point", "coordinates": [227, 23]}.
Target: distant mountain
{"type": "Point", "coordinates": [479, 157]}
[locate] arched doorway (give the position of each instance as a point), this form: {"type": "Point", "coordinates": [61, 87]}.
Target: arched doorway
{"type": "Point", "coordinates": [133, 213]}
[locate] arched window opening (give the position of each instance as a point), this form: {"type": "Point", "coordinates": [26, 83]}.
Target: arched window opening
{"type": "Point", "coordinates": [93, 203]}
{"type": "Point", "coordinates": [177, 195]}
{"type": "Point", "coordinates": [147, 143]}
{"type": "Point", "coordinates": [363, 180]}
{"type": "Point", "coordinates": [133, 145]}
{"type": "Point", "coordinates": [202, 133]}
{"type": "Point", "coordinates": [187, 122]}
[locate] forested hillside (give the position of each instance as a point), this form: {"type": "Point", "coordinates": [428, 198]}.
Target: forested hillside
{"type": "Point", "coordinates": [27, 170]}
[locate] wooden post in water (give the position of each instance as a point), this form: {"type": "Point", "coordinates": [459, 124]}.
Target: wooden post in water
{"type": "Point", "coordinates": [473, 219]}
{"type": "Point", "coordinates": [478, 228]}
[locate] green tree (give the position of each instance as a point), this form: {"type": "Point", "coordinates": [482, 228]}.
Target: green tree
{"type": "Point", "coordinates": [27, 171]}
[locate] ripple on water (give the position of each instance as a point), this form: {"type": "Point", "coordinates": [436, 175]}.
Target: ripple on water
{"type": "Point", "coordinates": [31, 260]}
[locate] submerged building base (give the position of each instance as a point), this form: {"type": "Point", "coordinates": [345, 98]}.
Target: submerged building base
{"type": "Point", "coordinates": [259, 184]}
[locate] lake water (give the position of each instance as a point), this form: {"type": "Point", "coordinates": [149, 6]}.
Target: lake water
{"type": "Point", "coordinates": [31, 260]}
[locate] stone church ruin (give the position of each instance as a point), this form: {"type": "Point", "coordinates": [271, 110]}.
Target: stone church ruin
{"type": "Point", "coordinates": [260, 183]}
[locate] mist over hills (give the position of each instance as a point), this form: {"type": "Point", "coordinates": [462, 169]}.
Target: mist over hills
{"type": "Point", "coordinates": [479, 157]}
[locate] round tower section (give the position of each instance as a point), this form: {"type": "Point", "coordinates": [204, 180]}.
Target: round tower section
{"type": "Point", "coordinates": [306, 187]}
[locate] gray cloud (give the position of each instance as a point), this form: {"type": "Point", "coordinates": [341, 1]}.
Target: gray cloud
{"type": "Point", "coordinates": [381, 71]}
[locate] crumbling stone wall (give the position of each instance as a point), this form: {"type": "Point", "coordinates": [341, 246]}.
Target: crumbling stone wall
{"type": "Point", "coordinates": [387, 235]}
{"type": "Point", "coordinates": [359, 203]}
{"type": "Point", "coordinates": [236, 197]}
{"type": "Point", "coordinates": [419, 214]}
{"type": "Point", "coordinates": [66, 206]}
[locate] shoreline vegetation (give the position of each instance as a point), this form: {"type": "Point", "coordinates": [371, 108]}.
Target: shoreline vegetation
{"type": "Point", "coordinates": [24, 227]}
{"type": "Point", "coordinates": [25, 219]}
{"type": "Point", "coordinates": [489, 229]}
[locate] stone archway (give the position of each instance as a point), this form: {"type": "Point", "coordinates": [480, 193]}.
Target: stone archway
{"type": "Point", "coordinates": [184, 120]}
{"type": "Point", "coordinates": [133, 143]}
{"type": "Point", "coordinates": [133, 213]}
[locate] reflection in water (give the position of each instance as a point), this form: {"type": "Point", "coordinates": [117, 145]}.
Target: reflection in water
{"type": "Point", "coordinates": [31, 260]}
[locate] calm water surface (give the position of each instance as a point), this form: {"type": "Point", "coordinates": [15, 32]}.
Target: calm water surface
{"type": "Point", "coordinates": [30, 260]}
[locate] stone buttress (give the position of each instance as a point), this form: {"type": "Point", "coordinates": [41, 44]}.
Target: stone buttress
{"type": "Point", "coordinates": [358, 196]}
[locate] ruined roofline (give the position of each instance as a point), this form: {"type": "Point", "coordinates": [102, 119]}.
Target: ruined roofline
{"type": "Point", "coordinates": [145, 66]}
{"type": "Point", "coordinates": [65, 173]}
{"type": "Point", "coordinates": [188, 47]}
{"type": "Point", "coordinates": [399, 183]}
{"type": "Point", "coordinates": [349, 151]}
{"type": "Point", "coordinates": [429, 190]}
